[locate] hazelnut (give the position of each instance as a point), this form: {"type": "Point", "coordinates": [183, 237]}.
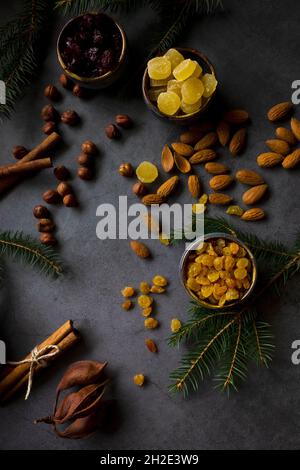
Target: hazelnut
{"type": "Point", "coordinates": [51, 197]}
{"type": "Point", "coordinates": [112, 132]}
{"type": "Point", "coordinates": [85, 173]}
{"type": "Point", "coordinates": [89, 147]}
{"type": "Point", "coordinates": [65, 81]}
{"type": "Point", "coordinates": [48, 239]}
{"type": "Point", "coordinates": [41, 212]}
{"type": "Point", "coordinates": [85, 160]}
{"type": "Point", "coordinates": [45, 226]}
{"type": "Point", "coordinates": [139, 189]}
{"type": "Point", "coordinates": [19, 152]}
{"type": "Point", "coordinates": [49, 113]}
{"type": "Point", "coordinates": [52, 93]}
{"type": "Point", "coordinates": [49, 127]}
{"type": "Point", "coordinates": [79, 91]}
{"type": "Point", "coordinates": [70, 200]}
{"type": "Point", "coordinates": [70, 117]}
{"type": "Point", "coordinates": [61, 173]}
{"type": "Point", "coordinates": [64, 188]}
{"type": "Point", "coordinates": [125, 169]}
{"type": "Point", "coordinates": [123, 120]}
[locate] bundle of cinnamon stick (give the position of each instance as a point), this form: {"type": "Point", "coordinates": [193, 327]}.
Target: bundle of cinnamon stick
{"type": "Point", "coordinates": [14, 378]}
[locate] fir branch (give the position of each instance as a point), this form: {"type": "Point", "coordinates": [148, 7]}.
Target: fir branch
{"type": "Point", "coordinates": [78, 7]}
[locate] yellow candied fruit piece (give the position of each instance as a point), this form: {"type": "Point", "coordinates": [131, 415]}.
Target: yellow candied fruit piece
{"type": "Point", "coordinates": [191, 108]}
{"type": "Point", "coordinates": [144, 287]}
{"type": "Point", "coordinates": [232, 294]}
{"type": "Point", "coordinates": [139, 380]}
{"type": "Point", "coordinates": [192, 90]}
{"type": "Point", "coordinates": [203, 199]}
{"type": "Point", "coordinates": [198, 70]}
{"type": "Point", "coordinates": [229, 263]}
{"type": "Point", "coordinates": [207, 291]}
{"type": "Point", "coordinates": [230, 282]}
{"type": "Point", "coordinates": [235, 210]}
{"type": "Point", "coordinates": [184, 70]}
{"type": "Point", "coordinates": [246, 283]}
{"type": "Point", "coordinates": [168, 103]}
{"type": "Point", "coordinates": [151, 323]}
{"type": "Point", "coordinates": [157, 290]}
{"type": "Point", "coordinates": [194, 269]}
{"type": "Point", "coordinates": [147, 172]}
{"type": "Point", "coordinates": [213, 276]}
{"type": "Point", "coordinates": [242, 263]}
{"type": "Point", "coordinates": [193, 284]}
{"type": "Point", "coordinates": [218, 263]}
{"type": "Point", "coordinates": [128, 291]}
{"type": "Point", "coordinates": [155, 92]}
{"type": "Point", "coordinates": [160, 281]}
{"type": "Point", "coordinates": [207, 260]}
{"type": "Point", "coordinates": [175, 86]}
{"type": "Point", "coordinates": [159, 68]}
{"type": "Point", "coordinates": [147, 311]}
{"type": "Point", "coordinates": [175, 325]}
{"type": "Point", "coordinates": [127, 305]}
{"type": "Point", "coordinates": [210, 84]}
{"type": "Point", "coordinates": [234, 248]}
{"type": "Point", "coordinates": [159, 83]}
{"type": "Point", "coordinates": [203, 281]}
{"type": "Point", "coordinates": [145, 301]}
{"type": "Point", "coordinates": [198, 208]}
{"type": "Point", "coordinates": [222, 301]}
{"type": "Point", "coordinates": [174, 57]}
{"type": "Point", "coordinates": [164, 240]}
{"type": "Point", "coordinates": [201, 248]}
{"type": "Point", "coordinates": [240, 273]}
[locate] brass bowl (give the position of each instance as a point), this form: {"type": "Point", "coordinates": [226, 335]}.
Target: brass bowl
{"type": "Point", "coordinates": [185, 258]}
{"type": "Point", "coordinates": [108, 78]}
{"type": "Point", "coordinates": [184, 119]}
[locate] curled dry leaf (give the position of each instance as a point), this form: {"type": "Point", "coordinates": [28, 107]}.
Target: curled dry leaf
{"type": "Point", "coordinates": [167, 159]}
{"type": "Point", "coordinates": [81, 427]}
{"type": "Point", "coordinates": [81, 373]}
{"type": "Point", "coordinates": [182, 163]}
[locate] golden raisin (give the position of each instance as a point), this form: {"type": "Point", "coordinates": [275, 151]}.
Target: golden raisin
{"type": "Point", "coordinates": [144, 288]}
{"type": "Point", "coordinates": [175, 325]}
{"type": "Point", "coordinates": [139, 380]}
{"type": "Point", "coordinates": [147, 311]}
{"type": "Point", "coordinates": [151, 345]}
{"type": "Point", "coordinates": [145, 301]}
{"type": "Point", "coordinates": [127, 305]}
{"type": "Point", "coordinates": [160, 281]}
{"type": "Point", "coordinates": [240, 273]}
{"type": "Point", "coordinates": [128, 291]}
{"type": "Point", "coordinates": [157, 290]}
{"type": "Point", "coordinates": [151, 323]}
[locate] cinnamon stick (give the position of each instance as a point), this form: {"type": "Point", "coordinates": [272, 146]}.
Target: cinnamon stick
{"type": "Point", "coordinates": [38, 151]}
{"type": "Point", "coordinates": [25, 167]}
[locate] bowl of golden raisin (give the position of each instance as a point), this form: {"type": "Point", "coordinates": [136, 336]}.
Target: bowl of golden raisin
{"type": "Point", "coordinates": [218, 271]}
{"type": "Point", "coordinates": [179, 85]}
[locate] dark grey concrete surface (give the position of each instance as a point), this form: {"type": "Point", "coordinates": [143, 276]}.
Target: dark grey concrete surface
{"type": "Point", "coordinates": [255, 48]}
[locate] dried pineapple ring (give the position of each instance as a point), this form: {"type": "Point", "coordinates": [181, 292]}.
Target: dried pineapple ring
{"type": "Point", "coordinates": [147, 172]}
{"type": "Point", "coordinates": [207, 291]}
{"type": "Point", "coordinates": [191, 108]}
{"type": "Point", "coordinates": [168, 103]}
{"type": "Point", "coordinates": [184, 70]}
{"type": "Point", "coordinates": [175, 86]}
{"type": "Point", "coordinates": [198, 70]}
{"type": "Point", "coordinates": [174, 57]}
{"type": "Point", "coordinates": [160, 281]}
{"type": "Point", "coordinates": [192, 90]}
{"type": "Point", "coordinates": [240, 274]}
{"type": "Point", "coordinates": [159, 68]}
{"type": "Point", "coordinates": [210, 84]}
{"type": "Point", "coordinates": [145, 301]}
{"type": "Point", "coordinates": [242, 263]}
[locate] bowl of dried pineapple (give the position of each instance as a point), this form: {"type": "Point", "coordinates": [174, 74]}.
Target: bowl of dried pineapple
{"type": "Point", "coordinates": [218, 271]}
{"type": "Point", "coordinates": [179, 85]}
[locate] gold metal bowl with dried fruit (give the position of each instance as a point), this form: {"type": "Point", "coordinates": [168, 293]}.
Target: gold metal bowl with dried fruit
{"type": "Point", "coordinates": [218, 271]}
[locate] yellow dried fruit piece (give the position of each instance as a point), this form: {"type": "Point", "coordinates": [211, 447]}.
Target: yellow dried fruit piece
{"type": "Point", "coordinates": [157, 290]}
{"type": "Point", "coordinates": [198, 208]}
{"type": "Point", "coordinates": [198, 70]}
{"type": "Point", "coordinates": [218, 263]}
{"type": "Point", "coordinates": [242, 263]}
{"type": "Point", "coordinates": [207, 291]}
{"type": "Point", "coordinates": [223, 274]}
{"type": "Point", "coordinates": [246, 283]}
{"type": "Point", "coordinates": [164, 240]}
{"type": "Point", "coordinates": [175, 86]}
{"type": "Point", "coordinates": [242, 252]}
{"type": "Point", "coordinates": [226, 251]}
{"type": "Point", "coordinates": [229, 263]}
{"type": "Point", "coordinates": [145, 301]}
{"type": "Point", "coordinates": [204, 281]}
{"type": "Point", "coordinates": [144, 287]}
{"type": "Point", "coordinates": [147, 311]}
{"type": "Point", "coordinates": [219, 290]}
{"type": "Point", "coordinates": [128, 291]}
{"type": "Point", "coordinates": [159, 68]}
{"type": "Point", "coordinates": [174, 57]}
{"type": "Point", "coordinates": [213, 276]}
{"type": "Point", "coordinates": [234, 248]}
{"type": "Point", "coordinates": [191, 108]}
{"type": "Point", "coordinates": [158, 83]}
{"type": "Point", "coordinates": [139, 380]}
{"type": "Point", "coordinates": [160, 281]}
{"type": "Point", "coordinates": [192, 284]}
{"type": "Point", "coordinates": [192, 90]}
{"type": "Point", "coordinates": [203, 199]}
{"type": "Point", "coordinates": [240, 274]}
{"type": "Point", "coordinates": [230, 282]}
{"type": "Point", "coordinates": [151, 345]}
{"type": "Point", "coordinates": [184, 70]}
{"type": "Point", "coordinates": [151, 323]}
{"type": "Point", "coordinates": [201, 247]}
{"type": "Point", "coordinates": [212, 300]}
{"type": "Point", "coordinates": [127, 305]}
{"type": "Point", "coordinates": [210, 250]}
{"type": "Point", "coordinates": [222, 301]}
{"type": "Point", "coordinates": [175, 325]}
{"type": "Point", "coordinates": [155, 92]}
{"type": "Point", "coordinates": [232, 294]}
{"type": "Point", "coordinates": [210, 84]}
{"type": "Point", "coordinates": [194, 269]}
{"type": "Point", "coordinates": [207, 260]}
{"type": "Point", "coordinates": [147, 172]}
{"type": "Point", "coordinates": [235, 210]}
{"type": "Point", "coordinates": [168, 103]}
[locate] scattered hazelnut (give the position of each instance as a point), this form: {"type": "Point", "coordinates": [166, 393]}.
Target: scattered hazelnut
{"type": "Point", "coordinates": [125, 169]}
{"type": "Point", "coordinates": [41, 212]}
{"type": "Point", "coordinates": [112, 132]}
{"type": "Point", "coordinates": [70, 200]}
{"type": "Point", "coordinates": [49, 113]}
{"type": "Point", "coordinates": [123, 120]}
{"type": "Point", "coordinates": [49, 127]}
{"type": "Point", "coordinates": [48, 239]}
{"type": "Point", "coordinates": [61, 173]}
{"type": "Point", "coordinates": [51, 197]}
{"type": "Point", "coordinates": [79, 91]}
{"type": "Point", "coordinates": [45, 226]}
{"type": "Point", "coordinates": [139, 189]}
{"type": "Point", "coordinates": [89, 147]}
{"type": "Point", "coordinates": [70, 117]}
{"type": "Point", "coordinates": [85, 160]}
{"type": "Point", "coordinates": [19, 152]}
{"type": "Point", "coordinates": [85, 173]}
{"type": "Point", "coordinates": [52, 93]}
{"type": "Point", "coordinates": [64, 188]}
{"type": "Point", "coordinates": [65, 81]}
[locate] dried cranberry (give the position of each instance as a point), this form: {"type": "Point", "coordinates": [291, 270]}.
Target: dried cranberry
{"type": "Point", "coordinates": [87, 21]}
{"type": "Point", "coordinates": [92, 54]}
{"type": "Point", "coordinates": [107, 58]}
{"type": "Point", "coordinates": [98, 37]}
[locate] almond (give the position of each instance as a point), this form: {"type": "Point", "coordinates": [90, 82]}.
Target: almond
{"type": "Point", "coordinates": [238, 142]}
{"type": "Point", "coordinates": [286, 135]}
{"type": "Point", "coordinates": [216, 168]}
{"type": "Point", "coordinates": [279, 111]}
{"type": "Point", "coordinates": [167, 159]}
{"type": "Point", "coordinates": [140, 249]}
{"type": "Point", "coordinates": [203, 156]}
{"type": "Point", "coordinates": [150, 199]}
{"type": "Point", "coordinates": [168, 186]}
{"type": "Point", "coordinates": [253, 214]}
{"type": "Point", "coordinates": [269, 159]}
{"type": "Point", "coordinates": [218, 198]}
{"type": "Point", "coordinates": [182, 149]}
{"type": "Point", "coordinates": [194, 186]}
{"type": "Point", "coordinates": [191, 137]}
{"type": "Point", "coordinates": [249, 177]}
{"type": "Point", "coordinates": [237, 117]}
{"type": "Point", "coordinates": [278, 146]}
{"type": "Point", "coordinates": [182, 163]}
{"type": "Point", "coordinates": [223, 131]}
{"type": "Point", "coordinates": [291, 160]}
{"type": "Point", "coordinates": [295, 126]}
{"type": "Point", "coordinates": [254, 194]}
{"type": "Point", "coordinates": [220, 182]}
{"type": "Point", "coordinates": [151, 345]}
{"type": "Point", "coordinates": [209, 140]}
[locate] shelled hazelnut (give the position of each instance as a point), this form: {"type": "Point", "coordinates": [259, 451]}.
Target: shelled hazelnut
{"type": "Point", "coordinates": [125, 169]}
{"type": "Point", "coordinates": [41, 212]}
{"type": "Point", "coordinates": [70, 117]}
{"type": "Point", "coordinates": [85, 160]}
{"type": "Point", "coordinates": [79, 91]}
{"type": "Point", "coordinates": [49, 113]}
{"type": "Point", "coordinates": [52, 93]}
{"type": "Point", "coordinates": [19, 151]}
{"type": "Point", "coordinates": [45, 226]}
{"type": "Point", "coordinates": [48, 239]}
{"type": "Point", "coordinates": [65, 81]}
{"type": "Point", "coordinates": [139, 189]}
{"type": "Point", "coordinates": [64, 188]}
{"type": "Point", "coordinates": [85, 173]}
{"type": "Point", "coordinates": [51, 197]}
{"type": "Point", "coordinates": [61, 173]}
{"type": "Point", "coordinates": [124, 121]}
{"type": "Point", "coordinates": [49, 127]}
{"type": "Point", "coordinates": [112, 132]}
{"type": "Point", "coordinates": [70, 200]}
{"type": "Point", "coordinates": [89, 148]}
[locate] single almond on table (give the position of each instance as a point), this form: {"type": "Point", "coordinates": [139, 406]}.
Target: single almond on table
{"type": "Point", "coordinates": [236, 116]}
{"type": "Point", "coordinates": [269, 159]}
{"type": "Point", "coordinates": [238, 142]}
{"type": "Point", "coordinates": [279, 111]}
{"type": "Point", "coordinates": [140, 249]}
{"type": "Point", "coordinates": [203, 156]}
{"type": "Point", "coordinates": [182, 163]}
{"type": "Point", "coordinates": [218, 198]}
{"type": "Point", "coordinates": [151, 199]}
{"type": "Point", "coordinates": [168, 186]}
{"type": "Point", "coordinates": [194, 186]}
{"type": "Point", "coordinates": [209, 140]}
{"type": "Point", "coordinates": [286, 135]}
{"type": "Point", "coordinates": [253, 195]}
{"type": "Point", "coordinates": [214, 168]}
{"type": "Point", "coordinates": [250, 177]}
{"type": "Point", "coordinates": [183, 149]}
{"type": "Point", "coordinates": [295, 126]}
{"type": "Point", "coordinates": [167, 159]}
{"type": "Point", "coordinates": [278, 146]}
{"type": "Point", "coordinates": [292, 160]}
{"type": "Point", "coordinates": [219, 182]}
{"type": "Point", "coordinates": [191, 137]}
{"type": "Point", "coordinates": [253, 214]}
{"type": "Point", "coordinates": [223, 131]}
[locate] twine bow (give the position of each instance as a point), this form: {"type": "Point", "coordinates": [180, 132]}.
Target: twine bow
{"type": "Point", "coordinates": [38, 357]}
